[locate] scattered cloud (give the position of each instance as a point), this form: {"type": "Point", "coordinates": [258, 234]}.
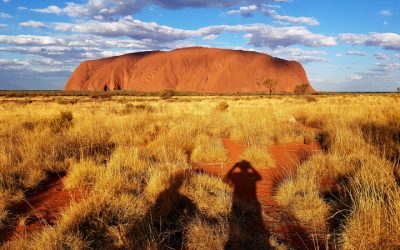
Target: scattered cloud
{"type": "Point", "coordinates": [66, 55]}
{"type": "Point", "coordinates": [103, 28]}
{"type": "Point", "coordinates": [386, 67]}
{"type": "Point", "coordinates": [382, 76]}
{"type": "Point", "coordinates": [273, 37]}
{"type": "Point", "coordinates": [52, 9]}
{"type": "Point", "coordinates": [388, 41]}
{"type": "Point", "coordinates": [257, 35]}
{"type": "Point", "coordinates": [5, 15]}
{"type": "Point", "coordinates": [245, 11]}
{"type": "Point", "coordinates": [32, 24]}
{"type": "Point", "coordinates": [270, 10]}
{"type": "Point", "coordinates": [75, 41]}
{"type": "Point", "coordinates": [304, 56]}
{"type": "Point", "coordinates": [6, 1]}
{"type": "Point", "coordinates": [356, 78]}
{"type": "Point", "coordinates": [106, 9]}
{"type": "Point", "coordinates": [381, 56]}
{"type": "Point", "coordinates": [129, 27]}
{"type": "Point", "coordinates": [356, 53]}
{"type": "Point", "coordinates": [386, 12]}
{"type": "Point", "coordinates": [299, 20]}
{"type": "Point", "coordinates": [210, 37]}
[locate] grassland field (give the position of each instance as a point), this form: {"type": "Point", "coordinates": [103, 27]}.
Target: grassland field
{"type": "Point", "coordinates": [132, 158]}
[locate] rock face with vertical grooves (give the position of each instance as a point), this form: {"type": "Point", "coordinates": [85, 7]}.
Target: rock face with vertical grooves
{"type": "Point", "coordinates": [197, 69]}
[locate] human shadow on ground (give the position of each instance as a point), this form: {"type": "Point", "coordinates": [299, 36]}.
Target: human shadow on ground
{"type": "Point", "coordinates": [246, 225]}
{"type": "Point", "coordinates": [170, 213]}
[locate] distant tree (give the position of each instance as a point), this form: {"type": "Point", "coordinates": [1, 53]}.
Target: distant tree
{"type": "Point", "coordinates": [301, 89]}
{"type": "Point", "coordinates": [270, 85]}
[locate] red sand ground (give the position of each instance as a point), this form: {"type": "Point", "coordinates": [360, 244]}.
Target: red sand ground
{"type": "Point", "coordinates": [277, 221]}
{"type": "Point", "coordinates": [40, 208]}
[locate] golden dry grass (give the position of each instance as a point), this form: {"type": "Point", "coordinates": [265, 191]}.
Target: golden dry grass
{"type": "Point", "coordinates": [132, 158]}
{"type": "Point", "coordinates": [258, 156]}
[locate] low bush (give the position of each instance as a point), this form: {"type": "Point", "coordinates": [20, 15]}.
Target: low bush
{"type": "Point", "coordinates": [167, 94]}
{"type": "Point", "coordinates": [222, 106]}
{"type": "Point", "coordinates": [62, 122]}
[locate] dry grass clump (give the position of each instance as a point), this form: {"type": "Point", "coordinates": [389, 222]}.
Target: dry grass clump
{"type": "Point", "coordinates": [3, 210]}
{"type": "Point", "coordinates": [374, 220]}
{"type": "Point", "coordinates": [30, 151]}
{"type": "Point", "coordinates": [251, 128]}
{"type": "Point", "coordinates": [301, 198]}
{"type": "Point", "coordinates": [61, 122]}
{"type": "Point", "coordinates": [354, 185]}
{"type": "Point", "coordinates": [82, 175]}
{"type": "Point", "coordinates": [222, 106]}
{"type": "Point", "coordinates": [311, 119]}
{"type": "Point", "coordinates": [203, 235]}
{"type": "Point", "coordinates": [258, 156]}
{"type": "Point", "coordinates": [212, 197]}
{"type": "Point", "coordinates": [131, 108]}
{"type": "Point", "coordinates": [385, 136]}
{"type": "Point", "coordinates": [208, 149]}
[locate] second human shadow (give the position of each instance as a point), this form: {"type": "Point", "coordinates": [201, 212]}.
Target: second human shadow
{"type": "Point", "coordinates": [246, 225]}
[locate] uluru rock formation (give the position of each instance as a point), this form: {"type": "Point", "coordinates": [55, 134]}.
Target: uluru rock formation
{"type": "Point", "coordinates": [197, 69]}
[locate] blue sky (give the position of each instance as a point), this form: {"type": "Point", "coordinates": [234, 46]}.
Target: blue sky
{"type": "Point", "coordinates": [351, 45]}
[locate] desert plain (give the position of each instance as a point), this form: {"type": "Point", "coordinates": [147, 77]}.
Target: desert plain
{"type": "Point", "coordinates": [114, 170]}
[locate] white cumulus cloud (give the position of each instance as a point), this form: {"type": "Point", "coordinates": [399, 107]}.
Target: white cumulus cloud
{"type": "Point", "coordinates": [246, 11]}
{"type": "Point", "coordinates": [257, 35]}
{"type": "Point", "coordinates": [356, 53]}
{"type": "Point", "coordinates": [52, 9]}
{"type": "Point", "coordinates": [388, 41]}
{"type": "Point", "coordinates": [5, 15]}
{"type": "Point", "coordinates": [290, 19]}
{"type": "Point", "coordinates": [386, 12]}
{"type": "Point", "coordinates": [33, 24]}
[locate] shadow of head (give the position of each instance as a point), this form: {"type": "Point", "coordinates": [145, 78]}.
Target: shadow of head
{"type": "Point", "coordinates": [176, 180]}
{"type": "Point", "coordinates": [244, 166]}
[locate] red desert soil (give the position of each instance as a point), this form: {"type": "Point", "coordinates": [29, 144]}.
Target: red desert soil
{"type": "Point", "coordinates": [277, 221]}
{"type": "Point", "coordinates": [39, 209]}
{"type": "Point", "coordinates": [205, 70]}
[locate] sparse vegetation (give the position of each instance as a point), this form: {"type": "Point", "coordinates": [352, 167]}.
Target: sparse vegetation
{"type": "Point", "coordinates": [222, 106]}
{"type": "Point", "coordinates": [61, 122]}
{"type": "Point", "coordinates": [132, 158]}
{"type": "Point", "coordinates": [258, 156]}
{"type": "Point", "coordinates": [270, 85]}
{"type": "Point", "coordinates": [167, 94]}
{"type": "Point", "coordinates": [301, 89]}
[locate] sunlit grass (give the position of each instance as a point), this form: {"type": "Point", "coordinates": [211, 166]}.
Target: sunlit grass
{"type": "Point", "coordinates": [124, 153]}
